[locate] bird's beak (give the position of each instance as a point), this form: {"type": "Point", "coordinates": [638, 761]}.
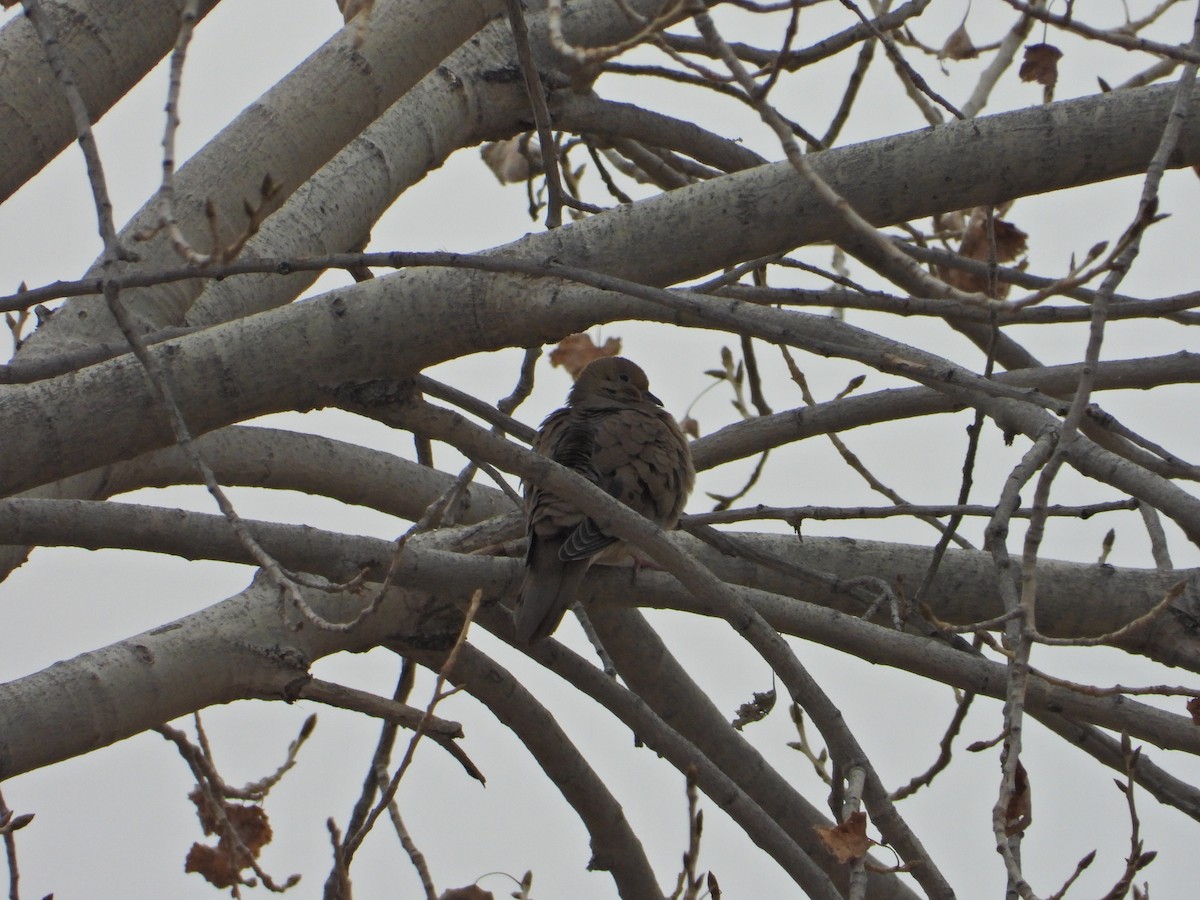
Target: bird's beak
{"type": "Point", "coordinates": [649, 396]}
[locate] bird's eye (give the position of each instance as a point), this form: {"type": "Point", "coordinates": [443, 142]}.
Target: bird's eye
{"type": "Point", "coordinates": [623, 377]}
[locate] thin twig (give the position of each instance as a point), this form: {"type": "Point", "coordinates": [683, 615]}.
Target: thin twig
{"type": "Point", "coordinates": [83, 130]}
{"type": "Point", "coordinates": [337, 883]}
{"type": "Point", "coordinates": [9, 824]}
{"type": "Point", "coordinates": [857, 464]}
{"type": "Point", "coordinates": [1022, 632]}
{"type": "Point", "coordinates": [944, 750]}
{"type": "Point", "coordinates": [354, 841]}
{"type": "Point", "coordinates": [797, 515]}
{"type": "Point", "coordinates": [390, 711]}
{"type": "Point", "coordinates": [584, 56]}
{"type": "Point", "coordinates": [410, 847]}
{"type": "Point", "coordinates": [1158, 537]}
{"type": "Point", "coordinates": [524, 386]}
{"type": "Point", "coordinates": [541, 114]}
{"type": "Point", "coordinates": [902, 65]}
{"type": "Point", "coordinates": [1118, 37]}
{"type": "Point", "coordinates": [166, 191]}
{"type": "Point", "coordinates": [865, 55]}
{"type": "Point", "coordinates": [1123, 633]}
{"type": "Point", "coordinates": [433, 516]}
{"type": "Point", "coordinates": [589, 631]}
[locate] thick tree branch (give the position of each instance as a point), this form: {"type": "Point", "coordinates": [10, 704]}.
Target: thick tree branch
{"type": "Point", "coordinates": [272, 138]}
{"type": "Point", "coordinates": [115, 41]}
{"type": "Point", "coordinates": [171, 674]}
{"type": "Point", "coordinates": [1103, 131]}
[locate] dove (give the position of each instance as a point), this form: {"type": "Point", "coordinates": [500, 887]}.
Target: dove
{"type": "Point", "coordinates": [616, 434]}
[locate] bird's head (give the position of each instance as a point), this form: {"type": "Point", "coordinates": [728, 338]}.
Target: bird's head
{"type": "Point", "coordinates": [612, 378]}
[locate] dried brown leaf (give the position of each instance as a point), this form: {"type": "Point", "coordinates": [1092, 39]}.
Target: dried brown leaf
{"type": "Point", "coordinates": [756, 710]}
{"type": "Point", "coordinates": [252, 826]}
{"type": "Point", "coordinates": [204, 810]}
{"type": "Point", "coordinates": [1041, 64]}
{"type": "Point", "coordinates": [220, 865]}
{"type": "Point", "coordinates": [1011, 242]}
{"type": "Point", "coordinates": [213, 865]}
{"type": "Point", "coordinates": [1019, 814]}
{"type": "Point", "coordinates": [848, 841]}
{"type": "Point", "coordinates": [470, 892]}
{"type": "Point", "coordinates": [959, 45]}
{"type": "Point", "coordinates": [577, 350]}
{"type": "Point", "coordinates": [514, 160]}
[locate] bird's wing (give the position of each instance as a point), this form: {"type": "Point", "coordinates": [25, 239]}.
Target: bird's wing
{"type": "Point", "coordinates": [643, 460]}
{"type": "Point", "coordinates": [553, 574]}
{"type": "Point", "coordinates": [569, 438]}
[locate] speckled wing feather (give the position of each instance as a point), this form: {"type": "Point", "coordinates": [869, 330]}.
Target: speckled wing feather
{"type": "Point", "coordinates": [618, 437]}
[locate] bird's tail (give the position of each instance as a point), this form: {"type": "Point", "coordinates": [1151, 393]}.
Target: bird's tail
{"type": "Point", "coordinates": [547, 592]}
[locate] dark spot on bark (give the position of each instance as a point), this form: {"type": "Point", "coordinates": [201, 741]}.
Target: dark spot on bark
{"type": "Point", "coordinates": [503, 75]}
{"type": "Point", "coordinates": [144, 653]}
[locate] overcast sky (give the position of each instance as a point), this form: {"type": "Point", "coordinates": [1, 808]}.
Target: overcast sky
{"type": "Point", "coordinates": [119, 818]}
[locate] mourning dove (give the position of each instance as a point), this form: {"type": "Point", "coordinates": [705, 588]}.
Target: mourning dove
{"type": "Point", "coordinates": [616, 434]}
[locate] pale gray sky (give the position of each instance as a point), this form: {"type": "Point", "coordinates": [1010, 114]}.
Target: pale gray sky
{"type": "Point", "coordinates": [117, 822]}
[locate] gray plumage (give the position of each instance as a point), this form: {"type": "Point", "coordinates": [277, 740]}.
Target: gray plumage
{"type": "Point", "coordinates": [615, 433]}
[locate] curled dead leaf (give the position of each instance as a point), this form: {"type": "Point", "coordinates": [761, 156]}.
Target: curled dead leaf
{"type": "Point", "coordinates": [848, 841]}
{"type": "Point", "coordinates": [1019, 813]}
{"type": "Point", "coordinates": [756, 709]}
{"type": "Point", "coordinates": [470, 892]}
{"type": "Point", "coordinates": [251, 825]}
{"type": "Point", "coordinates": [1011, 243]}
{"type": "Point", "coordinates": [516, 159]}
{"type": "Point", "coordinates": [1041, 64]}
{"type": "Point", "coordinates": [221, 864]}
{"type": "Point", "coordinates": [577, 350]}
{"type": "Point", "coordinates": [959, 45]}
{"type": "Point", "coordinates": [215, 866]}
